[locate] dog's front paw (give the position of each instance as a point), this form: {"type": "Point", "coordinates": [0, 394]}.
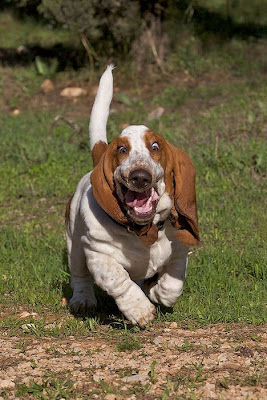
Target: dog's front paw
{"type": "Point", "coordinates": [165, 296]}
{"type": "Point", "coordinates": [140, 312]}
{"type": "Point", "coordinates": [82, 303]}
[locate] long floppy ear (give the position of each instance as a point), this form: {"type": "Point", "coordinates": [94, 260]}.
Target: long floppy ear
{"type": "Point", "coordinates": [98, 150]}
{"type": "Point", "coordinates": [103, 184]}
{"type": "Point", "coordinates": [104, 193]}
{"type": "Point", "coordinates": [184, 211]}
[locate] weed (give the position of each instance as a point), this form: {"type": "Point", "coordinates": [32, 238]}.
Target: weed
{"type": "Point", "coordinates": [128, 372]}
{"type": "Point", "coordinates": [224, 383]}
{"type": "Point", "coordinates": [21, 346]}
{"type": "Point", "coordinates": [128, 342]}
{"type": "Point", "coordinates": [152, 373]}
{"type": "Point", "coordinates": [140, 389]}
{"type": "Point", "coordinates": [199, 377]}
{"type": "Point", "coordinates": [106, 388]}
{"type": "Point", "coordinates": [186, 346]}
{"type": "Point", "coordinates": [254, 379]}
{"type": "Point", "coordinates": [44, 68]}
{"type": "Point", "coordinates": [255, 337]}
{"type": "Point", "coordinates": [51, 388]}
{"type": "Point", "coordinates": [92, 323]}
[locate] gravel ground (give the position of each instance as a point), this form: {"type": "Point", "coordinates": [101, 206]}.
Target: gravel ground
{"type": "Point", "coordinates": [216, 362]}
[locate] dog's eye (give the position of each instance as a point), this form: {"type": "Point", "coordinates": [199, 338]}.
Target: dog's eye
{"type": "Point", "coordinates": [122, 149]}
{"type": "Point", "coordinates": [155, 146]}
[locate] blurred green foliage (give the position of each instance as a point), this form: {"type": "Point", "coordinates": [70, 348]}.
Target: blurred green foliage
{"type": "Point", "coordinates": [113, 21]}
{"type": "Point", "coordinates": [241, 11]}
{"type": "Point", "coordinates": [113, 26]}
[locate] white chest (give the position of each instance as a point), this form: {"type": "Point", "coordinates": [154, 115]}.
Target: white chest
{"type": "Point", "coordinates": [144, 261]}
{"type": "Point", "coordinates": [109, 238]}
{"type": "Point", "coordinates": [139, 260]}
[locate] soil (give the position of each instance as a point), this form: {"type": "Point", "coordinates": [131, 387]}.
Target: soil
{"type": "Point", "coordinates": [222, 361]}
{"type": "Point", "coordinates": [80, 107]}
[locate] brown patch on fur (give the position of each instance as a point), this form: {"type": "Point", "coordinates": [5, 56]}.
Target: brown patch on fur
{"type": "Point", "coordinates": [98, 150]}
{"type": "Point", "coordinates": [179, 177]}
{"type": "Point", "coordinates": [119, 158]}
{"type": "Point", "coordinates": [103, 183]}
{"type": "Point", "coordinates": [67, 211]}
{"type": "Point", "coordinates": [105, 194]}
{"type": "Point", "coordinates": [184, 211]}
{"type": "Point", "coordinates": [151, 137]}
{"type": "Point", "coordinates": [148, 234]}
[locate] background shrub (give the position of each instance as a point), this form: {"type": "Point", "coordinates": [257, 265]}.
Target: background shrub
{"type": "Point", "coordinates": [102, 21]}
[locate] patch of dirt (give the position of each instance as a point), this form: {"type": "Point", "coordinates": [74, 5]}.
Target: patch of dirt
{"type": "Point", "coordinates": [80, 107]}
{"type": "Point", "coordinates": [52, 101]}
{"type": "Point", "coordinates": [223, 361]}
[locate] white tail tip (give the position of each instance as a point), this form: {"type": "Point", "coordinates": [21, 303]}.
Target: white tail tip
{"type": "Point", "coordinates": [100, 110]}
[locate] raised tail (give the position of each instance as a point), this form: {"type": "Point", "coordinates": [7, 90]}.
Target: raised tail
{"type": "Point", "coordinates": [100, 110]}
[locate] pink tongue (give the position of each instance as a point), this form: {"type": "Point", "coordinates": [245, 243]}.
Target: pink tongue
{"type": "Point", "coordinates": [134, 199]}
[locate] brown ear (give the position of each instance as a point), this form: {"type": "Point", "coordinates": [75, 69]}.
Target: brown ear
{"type": "Point", "coordinates": [104, 193]}
{"type": "Point", "coordinates": [184, 212]}
{"type": "Point", "coordinates": [98, 150]}
{"type": "Point", "coordinates": [103, 184]}
{"type": "Point", "coordinates": [67, 212]}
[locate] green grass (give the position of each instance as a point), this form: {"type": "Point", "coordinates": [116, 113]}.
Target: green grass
{"type": "Point", "coordinates": [15, 32]}
{"type": "Point", "coordinates": [219, 121]}
{"type": "Point", "coordinates": [51, 388]}
{"type": "Point", "coordinates": [128, 342]}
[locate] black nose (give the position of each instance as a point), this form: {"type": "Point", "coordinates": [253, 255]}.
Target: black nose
{"type": "Point", "coordinates": [140, 178]}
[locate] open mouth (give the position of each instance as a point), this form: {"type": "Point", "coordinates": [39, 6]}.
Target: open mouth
{"type": "Point", "coordinates": [141, 206]}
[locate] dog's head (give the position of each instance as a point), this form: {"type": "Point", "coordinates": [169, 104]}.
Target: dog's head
{"type": "Point", "coordinates": [140, 179]}
{"type": "Point", "coordinates": [139, 174]}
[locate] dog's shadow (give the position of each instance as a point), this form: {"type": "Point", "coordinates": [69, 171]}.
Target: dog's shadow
{"type": "Point", "coordinates": [106, 312]}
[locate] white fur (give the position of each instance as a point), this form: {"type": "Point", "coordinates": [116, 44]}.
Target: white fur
{"type": "Point", "coordinates": [139, 153]}
{"type": "Point", "coordinates": [103, 251]}
{"type": "Point", "coordinates": [100, 248]}
{"type": "Point", "coordinates": [100, 110]}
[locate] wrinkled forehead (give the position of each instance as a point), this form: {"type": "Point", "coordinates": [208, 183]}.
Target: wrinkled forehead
{"type": "Point", "coordinates": [135, 134]}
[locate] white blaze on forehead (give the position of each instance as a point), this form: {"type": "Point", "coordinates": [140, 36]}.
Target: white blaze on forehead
{"type": "Point", "coordinates": [135, 135]}
{"type": "Point", "coordinates": [139, 156]}
{"type": "Point", "coordinates": [133, 130]}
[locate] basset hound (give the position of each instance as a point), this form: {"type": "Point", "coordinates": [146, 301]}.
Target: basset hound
{"type": "Point", "coordinates": [131, 219]}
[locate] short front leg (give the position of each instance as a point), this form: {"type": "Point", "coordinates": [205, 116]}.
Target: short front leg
{"type": "Point", "coordinates": [169, 285]}
{"type": "Point", "coordinates": [135, 305]}
{"type": "Point", "coordinates": [110, 276]}
{"type": "Point", "coordinates": [83, 297]}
